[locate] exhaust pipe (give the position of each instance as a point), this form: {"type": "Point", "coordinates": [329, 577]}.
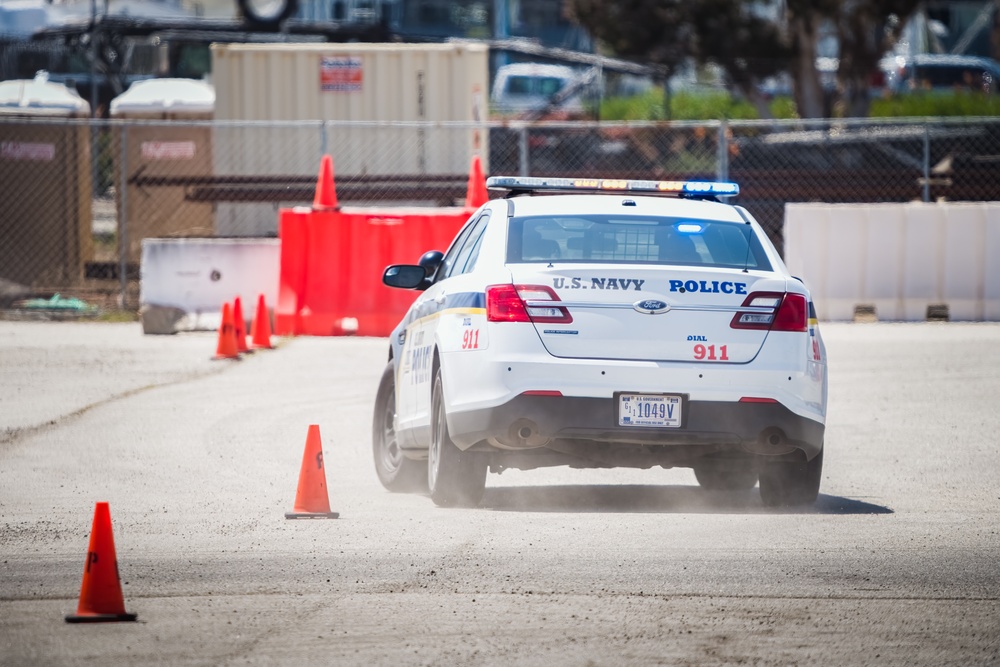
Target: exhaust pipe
{"type": "Point", "coordinates": [771, 441]}
{"type": "Point", "coordinates": [522, 434]}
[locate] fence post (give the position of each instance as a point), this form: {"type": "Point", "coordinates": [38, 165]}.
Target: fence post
{"type": "Point", "coordinates": [123, 223]}
{"type": "Point", "coordinates": [927, 163]}
{"type": "Point", "coordinates": [522, 151]}
{"type": "Point", "coordinates": [722, 153]}
{"type": "Point", "coordinates": [322, 139]}
{"type": "Point", "coordinates": [94, 158]}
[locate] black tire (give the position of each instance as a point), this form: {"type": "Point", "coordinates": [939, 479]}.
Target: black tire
{"type": "Point", "coordinates": [454, 478]}
{"type": "Point", "coordinates": [791, 483]}
{"type": "Point", "coordinates": [267, 14]}
{"type": "Point", "coordinates": [396, 472]}
{"type": "Point", "coordinates": [726, 474]}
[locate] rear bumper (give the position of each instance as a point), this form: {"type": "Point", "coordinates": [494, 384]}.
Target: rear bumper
{"type": "Point", "coordinates": [528, 422]}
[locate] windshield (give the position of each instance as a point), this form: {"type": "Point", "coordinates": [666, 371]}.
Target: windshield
{"type": "Point", "coordinates": [635, 240]}
{"type": "Point", "coordinates": [534, 85]}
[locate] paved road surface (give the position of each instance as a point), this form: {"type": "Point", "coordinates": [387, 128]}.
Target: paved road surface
{"type": "Point", "coordinates": [898, 563]}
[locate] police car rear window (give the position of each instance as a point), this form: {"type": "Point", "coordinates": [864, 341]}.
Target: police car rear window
{"type": "Point", "coordinates": [634, 240]}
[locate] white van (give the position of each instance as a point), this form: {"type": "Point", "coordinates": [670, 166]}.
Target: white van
{"type": "Point", "coordinates": [531, 86]}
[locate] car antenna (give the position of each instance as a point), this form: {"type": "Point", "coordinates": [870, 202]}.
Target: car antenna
{"type": "Point", "coordinates": [746, 262]}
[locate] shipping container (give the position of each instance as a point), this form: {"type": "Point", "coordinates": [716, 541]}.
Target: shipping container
{"type": "Point", "coordinates": [315, 87]}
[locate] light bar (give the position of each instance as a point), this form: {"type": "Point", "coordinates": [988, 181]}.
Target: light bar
{"type": "Point", "coordinates": [709, 188]}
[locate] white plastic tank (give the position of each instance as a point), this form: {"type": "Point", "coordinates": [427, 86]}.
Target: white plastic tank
{"type": "Point", "coordinates": [161, 149]}
{"type": "Point", "coordinates": [45, 172]}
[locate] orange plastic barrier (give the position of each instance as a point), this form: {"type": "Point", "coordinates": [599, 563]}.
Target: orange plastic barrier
{"type": "Point", "coordinates": [332, 261]}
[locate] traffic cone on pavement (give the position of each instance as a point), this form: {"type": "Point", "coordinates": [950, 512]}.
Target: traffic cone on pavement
{"type": "Point", "coordinates": [101, 592]}
{"type": "Point", "coordinates": [475, 193]}
{"type": "Point", "coordinates": [260, 328]}
{"type": "Point", "coordinates": [240, 326]}
{"type": "Point", "coordinates": [311, 500]}
{"type": "Point", "coordinates": [227, 347]}
{"type": "Point", "coordinates": [326, 191]}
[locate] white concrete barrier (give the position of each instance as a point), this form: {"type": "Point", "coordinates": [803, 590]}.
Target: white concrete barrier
{"type": "Point", "coordinates": [991, 269]}
{"type": "Point", "coordinates": [900, 259]}
{"type": "Point", "coordinates": [185, 282]}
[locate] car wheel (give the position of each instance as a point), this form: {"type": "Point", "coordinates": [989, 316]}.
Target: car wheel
{"type": "Point", "coordinates": [455, 478]}
{"type": "Point", "coordinates": [790, 483]}
{"type": "Point", "coordinates": [396, 472]}
{"type": "Point", "coordinates": [726, 474]}
{"type": "Point", "coordinates": [267, 13]}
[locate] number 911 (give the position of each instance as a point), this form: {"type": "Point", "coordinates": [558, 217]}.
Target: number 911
{"type": "Point", "coordinates": [708, 353]}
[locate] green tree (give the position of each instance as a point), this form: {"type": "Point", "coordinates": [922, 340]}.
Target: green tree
{"type": "Point", "coordinates": [866, 30]}
{"type": "Point", "coordinates": [658, 32]}
{"type": "Point", "coordinates": [749, 48]}
{"type": "Point", "coordinates": [752, 41]}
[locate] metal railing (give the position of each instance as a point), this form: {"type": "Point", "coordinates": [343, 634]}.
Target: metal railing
{"type": "Point", "coordinates": [78, 197]}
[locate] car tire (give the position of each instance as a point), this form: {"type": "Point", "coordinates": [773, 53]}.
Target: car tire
{"type": "Point", "coordinates": [791, 483]}
{"type": "Point", "coordinates": [454, 478]}
{"type": "Point", "coordinates": [726, 474]}
{"type": "Point", "coordinates": [266, 14]}
{"type": "Point", "coordinates": [396, 472]}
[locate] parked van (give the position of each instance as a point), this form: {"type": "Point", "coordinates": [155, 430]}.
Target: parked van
{"type": "Point", "coordinates": [524, 87]}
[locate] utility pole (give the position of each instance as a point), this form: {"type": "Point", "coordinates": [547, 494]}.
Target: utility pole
{"type": "Point", "coordinates": [501, 31]}
{"type": "Point", "coordinates": [94, 179]}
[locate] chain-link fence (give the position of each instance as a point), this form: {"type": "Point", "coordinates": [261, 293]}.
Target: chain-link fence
{"type": "Point", "coordinates": [78, 197]}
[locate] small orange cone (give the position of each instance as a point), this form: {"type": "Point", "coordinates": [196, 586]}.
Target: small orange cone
{"type": "Point", "coordinates": [476, 194]}
{"type": "Point", "coordinates": [326, 191]}
{"type": "Point", "coordinates": [311, 500]}
{"type": "Point", "coordinates": [227, 347]}
{"type": "Point", "coordinates": [240, 326]}
{"type": "Point", "coordinates": [260, 328]}
{"type": "Point", "coordinates": [101, 593]}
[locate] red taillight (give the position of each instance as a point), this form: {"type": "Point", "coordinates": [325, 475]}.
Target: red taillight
{"type": "Point", "coordinates": [757, 399]}
{"type": "Point", "coordinates": [541, 392]}
{"type": "Point", "coordinates": [504, 305]}
{"type": "Point", "coordinates": [792, 315]}
{"type": "Point", "coordinates": [773, 311]}
{"type": "Point", "coordinates": [524, 303]}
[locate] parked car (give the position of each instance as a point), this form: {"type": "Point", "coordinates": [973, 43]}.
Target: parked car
{"type": "Point", "coordinates": [942, 73]}
{"type": "Point", "coordinates": [598, 323]}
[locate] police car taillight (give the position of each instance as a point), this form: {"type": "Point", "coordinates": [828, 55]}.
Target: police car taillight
{"type": "Point", "coordinates": [524, 303]}
{"type": "Point", "coordinates": [772, 311]}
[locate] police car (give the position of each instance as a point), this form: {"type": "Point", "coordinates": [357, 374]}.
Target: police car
{"type": "Point", "coordinates": [596, 323]}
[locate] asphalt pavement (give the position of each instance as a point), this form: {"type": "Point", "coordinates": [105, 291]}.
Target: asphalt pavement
{"type": "Point", "coordinates": [199, 459]}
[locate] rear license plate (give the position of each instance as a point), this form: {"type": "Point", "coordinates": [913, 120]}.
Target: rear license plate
{"type": "Point", "coordinates": [658, 410]}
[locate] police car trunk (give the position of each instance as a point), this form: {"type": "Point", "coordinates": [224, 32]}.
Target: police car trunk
{"type": "Point", "coordinates": [641, 278]}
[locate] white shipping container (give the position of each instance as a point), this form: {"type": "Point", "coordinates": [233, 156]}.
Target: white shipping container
{"type": "Point", "coordinates": [365, 82]}
{"type": "Point", "coordinates": [371, 83]}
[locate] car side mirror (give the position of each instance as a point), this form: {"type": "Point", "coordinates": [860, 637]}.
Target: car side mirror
{"type": "Point", "coordinates": [406, 276]}
{"type": "Point", "coordinates": [431, 260]}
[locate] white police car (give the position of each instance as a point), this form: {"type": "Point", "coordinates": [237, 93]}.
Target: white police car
{"type": "Point", "coordinates": [601, 325]}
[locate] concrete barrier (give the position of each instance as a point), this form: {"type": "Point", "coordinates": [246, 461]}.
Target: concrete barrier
{"type": "Point", "coordinates": [908, 262]}
{"type": "Point", "coordinates": [184, 282]}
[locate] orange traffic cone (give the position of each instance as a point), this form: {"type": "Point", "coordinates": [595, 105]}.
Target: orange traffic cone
{"type": "Point", "coordinates": [227, 347]}
{"type": "Point", "coordinates": [326, 191]}
{"type": "Point", "coordinates": [311, 500]}
{"type": "Point", "coordinates": [475, 193]}
{"type": "Point", "coordinates": [260, 328]}
{"type": "Point", "coordinates": [101, 593]}
{"type": "Point", "coordinates": [240, 326]}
